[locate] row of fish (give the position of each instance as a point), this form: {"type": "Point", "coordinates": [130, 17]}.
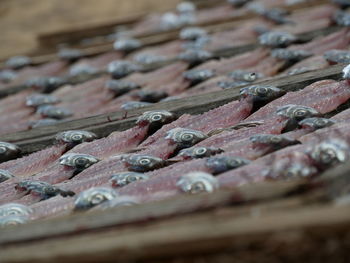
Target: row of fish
{"type": "Point", "coordinates": [102, 95]}
{"type": "Point", "coordinates": [130, 167]}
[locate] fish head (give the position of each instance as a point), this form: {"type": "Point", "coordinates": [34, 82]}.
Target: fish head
{"type": "Point", "coordinates": [13, 209]}
{"type": "Point", "coordinates": [122, 68]}
{"type": "Point", "coordinates": [74, 137]}
{"type": "Point", "coordinates": [78, 161]}
{"type": "Point", "coordinates": [330, 152]}
{"type": "Point", "coordinates": [337, 56]}
{"type": "Point", "coordinates": [5, 175]}
{"type": "Point", "coordinates": [196, 76]}
{"type": "Point", "coordinates": [194, 56]}
{"type": "Point", "coordinates": [93, 197]}
{"type": "Point", "coordinates": [148, 59]}
{"type": "Point", "coordinates": [13, 220]}
{"type": "Point", "coordinates": [127, 44]}
{"type": "Point", "coordinates": [155, 117]}
{"type": "Point", "coordinates": [185, 138]}
{"type": "Point", "coordinates": [18, 62]}
{"type": "Point", "coordinates": [119, 87]}
{"type": "Point", "coordinates": [142, 163]}
{"type": "Point", "coordinates": [124, 178]}
{"type": "Point", "coordinates": [276, 141]}
{"type": "Point", "coordinates": [222, 164]}
{"type": "Point", "coordinates": [6, 76]}
{"type": "Point", "coordinates": [131, 105]}
{"type": "Point", "coordinates": [36, 100]}
{"type": "Point", "coordinates": [261, 92]}
{"type": "Point", "coordinates": [119, 201]}
{"type": "Point", "coordinates": [45, 84]}
{"type": "Point", "coordinates": [150, 95]}
{"type": "Point", "coordinates": [316, 123]}
{"type": "Point", "coordinates": [238, 3]}
{"type": "Point", "coordinates": [82, 69]}
{"type": "Point", "coordinates": [54, 112]}
{"type": "Point", "coordinates": [288, 170]}
{"type": "Point", "coordinates": [199, 152]}
{"type": "Point", "coordinates": [297, 112]}
{"type": "Point", "coordinates": [197, 182]}
{"type": "Point", "coordinates": [342, 18]}
{"type": "Point", "coordinates": [245, 76]}
{"type": "Point", "coordinates": [70, 54]}
{"type": "Point", "coordinates": [8, 151]}
{"type": "Point", "coordinates": [186, 7]}
{"type": "Point", "coordinates": [276, 39]}
{"type": "Point", "coordinates": [346, 72]}
{"type": "Point", "coordinates": [192, 33]}
{"type": "Point", "coordinates": [290, 54]}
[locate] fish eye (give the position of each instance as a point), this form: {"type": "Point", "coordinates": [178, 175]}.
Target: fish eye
{"type": "Point", "coordinates": [300, 113]}
{"type": "Point", "coordinates": [200, 151]}
{"type": "Point", "coordinates": [328, 155]}
{"type": "Point", "coordinates": [144, 161]}
{"type": "Point", "coordinates": [197, 187]}
{"type": "Point", "coordinates": [81, 161]}
{"type": "Point", "coordinates": [77, 137]}
{"type": "Point", "coordinates": [187, 137]}
{"type": "Point", "coordinates": [97, 199]}
{"type": "Point", "coordinates": [262, 90]}
{"type": "Point", "coordinates": [156, 117]}
{"type": "Point", "coordinates": [3, 149]}
{"type": "Point", "coordinates": [320, 122]}
{"type": "Point", "coordinates": [132, 178]}
{"type": "Point", "coordinates": [276, 139]}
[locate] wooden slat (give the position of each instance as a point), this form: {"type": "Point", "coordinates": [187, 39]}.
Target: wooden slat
{"type": "Point", "coordinates": [203, 233]}
{"type": "Point", "coordinates": [146, 212]}
{"type": "Point", "coordinates": [38, 138]}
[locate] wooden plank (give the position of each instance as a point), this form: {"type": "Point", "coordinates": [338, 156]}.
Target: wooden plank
{"type": "Point", "coordinates": [180, 205]}
{"type": "Point", "coordinates": [102, 125]}
{"type": "Point", "coordinates": [203, 233]}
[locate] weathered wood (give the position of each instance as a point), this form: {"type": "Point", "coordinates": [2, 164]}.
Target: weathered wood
{"type": "Point", "coordinates": [102, 125]}
{"type": "Point", "coordinates": [148, 212]}
{"type": "Point", "coordinates": [197, 234]}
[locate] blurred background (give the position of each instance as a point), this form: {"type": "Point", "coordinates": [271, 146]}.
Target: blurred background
{"type": "Point", "coordinates": [22, 21]}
